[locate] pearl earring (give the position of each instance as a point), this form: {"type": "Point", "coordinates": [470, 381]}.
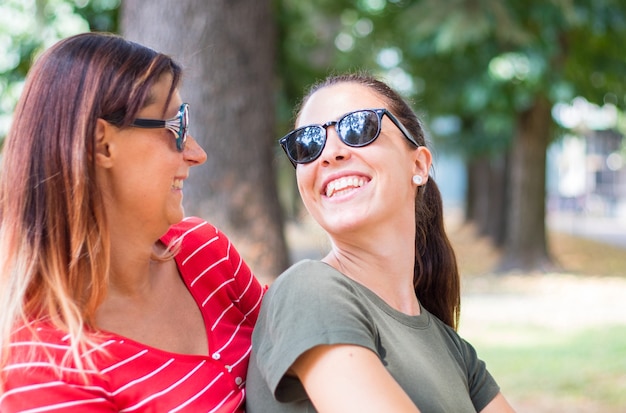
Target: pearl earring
{"type": "Point", "coordinates": [417, 179]}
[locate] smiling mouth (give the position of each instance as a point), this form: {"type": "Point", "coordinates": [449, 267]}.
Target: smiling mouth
{"type": "Point", "coordinates": [178, 184]}
{"type": "Point", "coordinates": [343, 185]}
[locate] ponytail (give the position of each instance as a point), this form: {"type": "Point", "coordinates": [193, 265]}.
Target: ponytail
{"type": "Point", "coordinates": [436, 277]}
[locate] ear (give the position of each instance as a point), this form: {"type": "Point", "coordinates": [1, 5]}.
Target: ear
{"type": "Point", "coordinates": [422, 162]}
{"type": "Point", "coordinates": [103, 137]}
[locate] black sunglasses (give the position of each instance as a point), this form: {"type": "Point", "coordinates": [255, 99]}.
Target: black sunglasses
{"type": "Point", "coordinates": [178, 125]}
{"type": "Point", "coordinates": [355, 129]}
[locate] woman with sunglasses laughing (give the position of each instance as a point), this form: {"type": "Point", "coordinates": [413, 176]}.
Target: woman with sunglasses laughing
{"type": "Point", "coordinates": [111, 299]}
{"type": "Point", "coordinates": [372, 326]}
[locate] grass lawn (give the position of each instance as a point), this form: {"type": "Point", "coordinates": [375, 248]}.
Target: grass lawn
{"type": "Point", "coordinates": [552, 371]}
{"type": "Point", "coordinates": [543, 369]}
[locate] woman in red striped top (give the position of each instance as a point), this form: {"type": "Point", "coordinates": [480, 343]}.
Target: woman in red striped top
{"type": "Point", "coordinates": [111, 300]}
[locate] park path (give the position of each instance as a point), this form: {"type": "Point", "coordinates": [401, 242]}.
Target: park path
{"type": "Point", "coordinates": [560, 302]}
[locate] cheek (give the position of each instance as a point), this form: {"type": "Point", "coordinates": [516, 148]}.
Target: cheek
{"type": "Point", "coordinates": [152, 172]}
{"type": "Point", "coordinates": [392, 157]}
{"type": "Point", "coordinates": [304, 179]}
{"type": "Point", "coordinates": [307, 188]}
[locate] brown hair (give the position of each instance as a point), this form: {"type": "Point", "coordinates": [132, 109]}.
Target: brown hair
{"type": "Point", "coordinates": [54, 244]}
{"type": "Point", "coordinates": [436, 276]}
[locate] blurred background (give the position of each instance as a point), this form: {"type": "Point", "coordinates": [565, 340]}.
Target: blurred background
{"type": "Point", "coordinates": [524, 105]}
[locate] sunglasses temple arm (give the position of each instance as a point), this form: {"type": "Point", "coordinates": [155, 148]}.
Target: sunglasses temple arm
{"type": "Point", "coordinates": [173, 124]}
{"type": "Point", "coordinates": [282, 145]}
{"type": "Point", "coordinates": [406, 133]}
{"type": "Point", "coordinates": [149, 123]}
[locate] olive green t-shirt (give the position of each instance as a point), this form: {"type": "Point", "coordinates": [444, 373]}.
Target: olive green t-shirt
{"type": "Point", "coordinates": [313, 304]}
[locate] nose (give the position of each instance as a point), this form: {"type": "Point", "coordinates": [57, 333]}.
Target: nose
{"type": "Point", "coordinates": [335, 149]}
{"type": "Point", "coordinates": [193, 153]}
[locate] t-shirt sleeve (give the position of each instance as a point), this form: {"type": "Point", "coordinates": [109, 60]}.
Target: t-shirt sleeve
{"type": "Point", "coordinates": [310, 304]}
{"type": "Point", "coordinates": [482, 386]}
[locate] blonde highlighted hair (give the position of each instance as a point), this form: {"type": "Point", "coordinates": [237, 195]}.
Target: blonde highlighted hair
{"type": "Point", "coordinates": [54, 243]}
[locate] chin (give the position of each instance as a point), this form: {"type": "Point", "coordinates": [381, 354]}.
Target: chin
{"type": "Point", "coordinates": [176, 217]}
{"type": "Point", "coordinates": [341, 224]}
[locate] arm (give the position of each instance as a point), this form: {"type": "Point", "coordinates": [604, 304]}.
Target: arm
{"type": "Point", "coordinates": [498, 405]}
{"type": "Point", "coordinates": [348, 378]}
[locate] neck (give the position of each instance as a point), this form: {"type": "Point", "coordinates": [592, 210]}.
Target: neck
{"type": "Point", "coordinates": [132, 266]}
{"type": "Point", "coordinates": [383, 264]}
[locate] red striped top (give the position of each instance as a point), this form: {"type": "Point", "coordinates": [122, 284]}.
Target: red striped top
{"type": "Point", "coordinates": [134, 377]}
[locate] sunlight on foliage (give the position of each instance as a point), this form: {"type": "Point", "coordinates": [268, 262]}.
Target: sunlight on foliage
{"type": "Point", "coordinates": [27, 28]}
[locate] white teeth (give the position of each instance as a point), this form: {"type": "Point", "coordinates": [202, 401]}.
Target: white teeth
{"type": "Point", "coordinates": [178, 184]}
{"type": "Point", "coordinates": [343, 183]}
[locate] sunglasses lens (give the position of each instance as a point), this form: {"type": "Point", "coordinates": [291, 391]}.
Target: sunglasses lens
{"type": "Point", "coordinates": [359, 128]}
{"type": "Point", "coordinates": [184, 124]}
{"type": "Point", "coordinates": [305, 144]}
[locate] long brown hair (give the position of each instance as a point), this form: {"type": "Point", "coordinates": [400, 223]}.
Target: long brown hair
{"type": "Point", "coordinates": [436, 276]}
{"type": "Point", "coordinates": [54, 243]}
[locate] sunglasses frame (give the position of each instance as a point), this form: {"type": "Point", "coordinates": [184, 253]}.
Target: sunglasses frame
{"type": "Point", "coordinates": [284, 141]}
{"type": "Point", "coordinates": [178, 125]}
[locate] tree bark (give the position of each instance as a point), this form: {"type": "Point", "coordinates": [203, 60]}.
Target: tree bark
{"type": "Point", "coordinates": [485, 205]}
{"type": "Point", "coordinates": [525, 247]}
{"type": "Point", "coordinates": [474, 198]}
{"type": "Point", "coordinates": [496, 226]}
{"type": "Point", "coordinates": [227, 49]}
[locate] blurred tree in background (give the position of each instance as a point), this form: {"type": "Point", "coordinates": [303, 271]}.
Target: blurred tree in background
{"type": "Point", "coordinates": [228, 51]}
{"type": "Point", "coordinates": [484, 74]}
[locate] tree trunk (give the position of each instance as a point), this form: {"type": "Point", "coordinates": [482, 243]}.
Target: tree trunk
{"type": "Point", "coordinates": [473, 196]}
{"type": "Point", "coordinates": [485, 202]}
{"type": "Point", "coordinates": [525, 247]}
{"type": "Point", "coordinates": [227, 49]}
{"type": "Point", "coordinates": [496, 226]}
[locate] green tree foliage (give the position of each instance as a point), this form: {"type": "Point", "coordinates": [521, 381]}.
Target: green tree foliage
{"type": "Point", "coordinates": [28, 27]}
{"type": "Point", "coordinates": [101, 15]}
{"type": "Point", "coordinates": [482, 59]}
{"type": "Point", "coordinates": [484, 73]}
{"type": "Point", "coordinates": [526, 57]}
